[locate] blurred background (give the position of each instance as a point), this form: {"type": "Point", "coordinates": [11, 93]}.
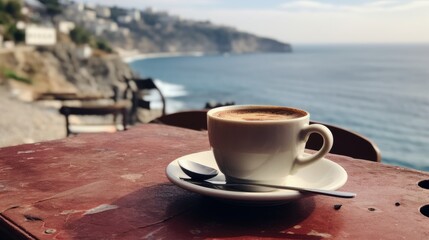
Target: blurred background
{"type": "Point", "coordinates": [361, 65]}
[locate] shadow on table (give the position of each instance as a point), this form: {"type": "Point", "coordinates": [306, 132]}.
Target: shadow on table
{"type": "Point", "coordinates": [212, 218]}
{"type": "Point", "coordinates": [168, 212]}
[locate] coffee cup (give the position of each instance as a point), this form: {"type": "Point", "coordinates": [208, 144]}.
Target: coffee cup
{"type": "Point", "coordinates": [262, 144]}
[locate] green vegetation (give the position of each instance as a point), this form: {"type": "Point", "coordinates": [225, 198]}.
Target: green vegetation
{"type": "Point", "coordinates": [103, 45]}
{"type": "Point", "coordinates": [7, 73]}
{"type": "Point", "coordinates": [10, 13]}
{"type": "Point", "coordinates": [12, 33]}
{"type": "Point", "coordinates": [13, 8]}
{"type": "Point", "coordinates": [80, 36]}
{"type": "Point", "coordinates": [4, 17]}
{"type": "Point", "coordinates": [53, 7]}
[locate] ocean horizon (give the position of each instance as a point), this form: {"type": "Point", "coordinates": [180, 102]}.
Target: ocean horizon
{"type": "Point", "coordinates": [378, 90]}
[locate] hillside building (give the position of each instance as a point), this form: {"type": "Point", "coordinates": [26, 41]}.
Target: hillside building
{"type": "Point", "coordinates": [20, 25]}
{"type": "Point", "coordinates": [124, 19]}
{"type": "Point", "coordinates": [66, 26]}
{"type": "Point", "coordinates": [135, 15]}
{"type": "Point", "coordinates": [90, 15]}
{"type": "Point", "coordinates": [84, 52]}
{"type": "Point", "coordinates": [40, 35]}
{"type": "Point", "coordinates": [102, 11]}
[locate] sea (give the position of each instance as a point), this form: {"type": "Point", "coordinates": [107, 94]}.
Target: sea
{"type": "Point", "coordinates": [379, 90]}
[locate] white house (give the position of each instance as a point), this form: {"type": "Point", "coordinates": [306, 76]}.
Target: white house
{"type": "Point", "coordinates": [20, 25]}
{"type": "Point", "coordinates": [102, 11]}
{"type": "Point", "coordinates": [124, 19]}
{"type": "Point", "coordinates": [40, 35]}
{"type": "Point", "coordinates": [90, 15]}
{"type": "Point", "coordinates": [84, 52]}
{"type": "Point", "coordinates": [134, 14]}
{"type": "Point", "coordinates": [25, 11]}
{"type": "Point", "coordinates": [101, 25]}
{"type": "Point", "coordinates": [66, 26]}
{"type": "Point", "coordinates": [112, 26]}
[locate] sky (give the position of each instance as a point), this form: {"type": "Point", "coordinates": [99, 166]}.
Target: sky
{"type": "Point", "coordinates": [306, 21]}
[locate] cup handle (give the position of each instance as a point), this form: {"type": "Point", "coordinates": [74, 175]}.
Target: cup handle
{"type": "Point", "coordinates": [328, 140]}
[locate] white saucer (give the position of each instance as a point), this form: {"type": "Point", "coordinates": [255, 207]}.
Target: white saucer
{"type": "Point", "coordinates": [323, 174]}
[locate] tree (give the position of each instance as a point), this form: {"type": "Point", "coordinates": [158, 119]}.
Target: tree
{"type": "Point", "coordinates": [80, 36]}
{"type": "Point", "coordinates": [5, 18]}
{"type": "Point", "coordinates": [53, 7]}
{"type": "Point", "coordinates": [13, 8]}
{"type": "Point", "coordinates": [103, 45]}
{"type": "Point", "coordinates": [12, 33]}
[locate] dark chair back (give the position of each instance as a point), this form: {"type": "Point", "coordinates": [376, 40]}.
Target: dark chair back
{"type": "Point", "coordinates": [196, 120]}
{"type": "Point", "coordinates": [138, 87]}
{"type": "Point", "coordinates": [346, 142]}
{"type": "Point", "coordinates": [114, 109]}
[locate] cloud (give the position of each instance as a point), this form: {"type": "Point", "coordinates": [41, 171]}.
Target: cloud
{"type": "Point", "coordinates": [374, 6]}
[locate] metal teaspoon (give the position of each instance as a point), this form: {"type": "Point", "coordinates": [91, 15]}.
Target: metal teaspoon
{"type": "Point", "coordinates": [200, 173]}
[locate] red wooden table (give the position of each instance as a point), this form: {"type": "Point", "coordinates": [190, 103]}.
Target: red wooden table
{"type": "Point", "coordinates": [113, 186]}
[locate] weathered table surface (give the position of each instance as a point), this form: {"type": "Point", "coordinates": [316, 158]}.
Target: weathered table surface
{"type": "Point", "coordinates": [113, 186]}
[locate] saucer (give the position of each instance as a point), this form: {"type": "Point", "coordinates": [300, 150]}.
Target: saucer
{"type": "Point", "coordinates": [323, 174]}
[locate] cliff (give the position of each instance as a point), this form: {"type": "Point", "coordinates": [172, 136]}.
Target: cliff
{"type": "Point", "coordinates": [59, 69]}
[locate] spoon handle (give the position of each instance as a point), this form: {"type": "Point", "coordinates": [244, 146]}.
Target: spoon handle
{"type": "Point", "coordinates": [330, 193]}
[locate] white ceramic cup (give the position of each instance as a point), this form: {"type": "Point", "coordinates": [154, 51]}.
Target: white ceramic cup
{"type": "Point", "coordinates": [263, 151]}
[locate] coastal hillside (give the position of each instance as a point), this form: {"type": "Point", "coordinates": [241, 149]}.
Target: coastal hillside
{"type": "Point", "coordinates": [67, 47]}
{"type": "Point", "coordinates": [39, 54]}
{"type": "Point", "coordinates": [190, 36]}
{"type": "Point", "coordinates": [64, 65]}
{"type": "Point", "coordinates": [153, 32]}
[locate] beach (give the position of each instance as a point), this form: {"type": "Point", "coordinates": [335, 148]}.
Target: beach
{"type": "Point", "coordinates": [129, 56]}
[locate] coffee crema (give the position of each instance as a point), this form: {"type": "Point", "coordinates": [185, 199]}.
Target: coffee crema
{"type": "Point", "coordinates": [260, 114]}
